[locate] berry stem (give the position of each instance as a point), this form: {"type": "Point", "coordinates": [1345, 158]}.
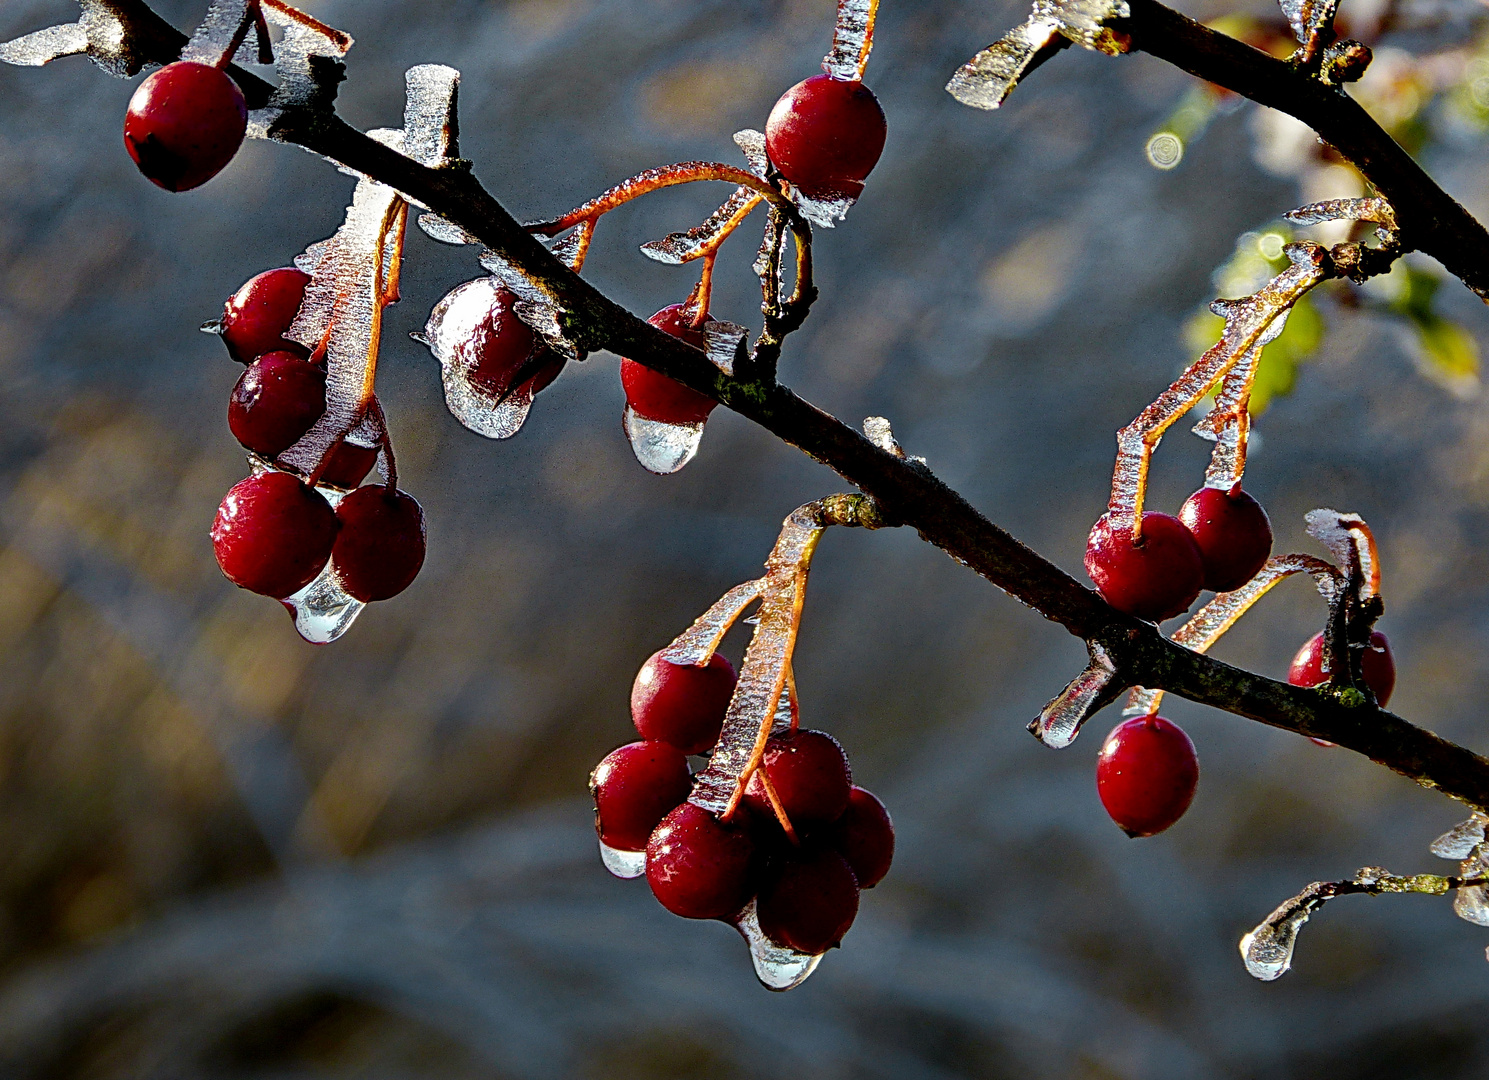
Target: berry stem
{"type": "Point", "coordinates": [684, 172]}
{"type": "Point", "coordinates": [775, 804]}
{"type": "Point", "coordinates": [695, 307]}
{"type": "Point", "coordinates": [252, 17]}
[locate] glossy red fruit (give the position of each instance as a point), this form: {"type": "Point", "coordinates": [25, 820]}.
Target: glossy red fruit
{"type": "Point", "coordinates": [682, 704]}
{"type": "Point", "coordinates": [811, 900]}
{"type": "Point", "coordinates": [810, 774]}
{"type": "Point", "coordinates": [864, 836]}
{"type": "Point", "coordinates": [1233, 534]}
{"type": "Point", "coordinates": [1146, 774]}
{"type": "Point", "coordinates": [349, 465]}
{"type": "Point", "coordinates": [699, 868]}
{"type": "Point", "coordinates": [501, 346]}
{"type": "Point", "coordinates": [1155, 579]}
{"type": "Point", "coordinates": [257, 315]}
{"type": "Point", "coordinates": [184, 123]}
{"type": "Point", "coordinates": [380, 546]}
{"type": "Point", "coordinates": [1378, 665]}
{"type": "Point", "coordinates": [277, 399]}
{"type": "Point", "coordinates": [656, 396]}
{"type": "Point", "coordinates": [825, 135]}
{"type": "Point", "coordinates": [635, 787]}
{"type": "Point", "coordinates": [273, 534]}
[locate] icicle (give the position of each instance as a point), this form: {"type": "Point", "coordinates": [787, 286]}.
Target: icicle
{"type": "Point", "coordinates": [697, 644]}
{"type": "Point", "coordinates": [824, 212]}
{"type": "Point", "coordinates": [323, 610]}
{"type": "Point", "coordinates": [1459, 841]}
{"type": "Point", "coordinates": [985, 81]}
{"type": "Point", "coordinates": [852, 39]}
{"type": "Point", "coordinates": [623, 864]}
{"type": "Point", "coordinates": [1060, 721]}
{"type": "Point", "coordinates": [776, 966]}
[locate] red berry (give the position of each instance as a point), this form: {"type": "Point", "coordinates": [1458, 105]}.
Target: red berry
{"type": "Point", "coordinates": [278, 398]}
{"type": "Point", "coordinates": [810, 901]}
{"type": "Point", "coordinates": [864, 836]}
{"type": "Point", "coordinates": [273, 534]}
{"type": "Point", "coordinates": [634, 788]}
{"type": "Point", "coordinates": [682, 704]}
{"type": "Point", "coordinates": [699, 868]}
{"type": "Point", "coordinates": [1378, 665]}
{"type": "Point", "coordinates": [1155, 579]}
{"type": "Point", "coordinates": [1233, 534]}
{"type": "Point", "coordinates": [257, 315]}
{"type": "Point", "coordinates": [502, 345]}
{"type": "Point", "coordinates": [661, 398]}
{"type": "Point", "coordinates": [825, 135]}
{"type": "Point", "coordinates": [184, 124]}
{"type": "Point", "coordinates": [349, 465]}
{"type": "Point", "coordinates": [1146, 774]}
{"type": "Point", "coordinates": [810, 774]}
{"type": "Point", "coordinates": [380, 545]}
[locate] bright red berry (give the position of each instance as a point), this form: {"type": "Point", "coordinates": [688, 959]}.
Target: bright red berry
{"type": "Point", "coordinates": [635, 787]}
{"type": "Point", "coordinates": [1156, 578]}
{"type": "Point", "coordinates": [380, 545]}
{"type": "Point", "coordinates": [656, 396]}
{"type": "Point", "coordinates": [699, 868]}
{"type": "Point", "coordinates": [1233, 534]}
{"type": "Point", "coordinates": [864, 836]}
{"type": "Point", "coordinates": [810, 774]}
{"type": "Point", "coordinates": [1146, 774]}
{"type": "Point", "coordinates": [257, 315]}
{"type": "Point", "coordinates": [278, 398]}
{"type": "Point", "coordinates": [273, 534]}
{"type": "Point", "coordinates": [825, 135]}
{"type": "Point", "coordinates": [1378, 666]}
{"type": "Point", "coordinates": [184, 123]}
{"type": "Point", "coordinates": [810, 901]}
{"type": "Point", "coordinates": [682, 704]}
{"type": "Point", "coordinates": [502, 346]}
{"type": "Point", "coordinates": [349, 465]}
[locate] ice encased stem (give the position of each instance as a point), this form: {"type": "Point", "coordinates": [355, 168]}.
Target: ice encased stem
{"type": "Point", "coordinates": [697, 644]}
{"type": "Point", "coordinates": [1350, 541]}
{"type": "Point", "coordinates": [1060, 721]}
{"type": "Point", "coordinates": [778, 967]}
{"type": "Point", "coordinates": [852, 39]}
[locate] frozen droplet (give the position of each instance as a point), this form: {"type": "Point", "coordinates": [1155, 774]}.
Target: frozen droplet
{"type": "Point", "coordinates": [1268, 950]}
{"type": "Point", "coordinates": [323, 610]}
{"type": "Point", "coordinates": [623, 864]}
{"type": "Point", "coordinates": [1060, 721]}
{"type": "Point", "coordinates": [1459, 841]}
{"type": "Point", "coordinates": [776, 966]}
{"type": "Point", "coordinates": [1165, 150]}
{"type": "Point", "coordinates": [823, 212]}
{"type": "Point", "coordinates": [986, 80]}
{"type": "Point", "coordinates": [1472, 902]}
{"type": "Point", "coordinates": [661, 447]}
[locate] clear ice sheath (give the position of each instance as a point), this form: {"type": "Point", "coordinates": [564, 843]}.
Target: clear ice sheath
{"type": "Point", "coordinates": [661, 448]}
{"type": "Point", "coordinates": [777, 967]}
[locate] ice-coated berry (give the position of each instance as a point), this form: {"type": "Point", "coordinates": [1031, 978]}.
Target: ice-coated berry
{"type": "Point", "coordinates": [1156, 578]}
{"type": "Point", "coordinates": [682, 704]}
{"type": "Point", "coordinates": [1378, 665]}
{"type": "Point", "coordinates": [1146, 774]}
{"type": "Point", "coordinates": [864, 836]}
{"type": "Point", "coordinates": [635, 787]}
{"type": "Point", "coordinates": [273, 534]}
{"type": "Point", "coordinates": [501, 346]}
{"type": "Point", "coordinates": [257, 315]}
{"type": "Point", "coordinates": [810, 774]}
{"type": "Point", "coordinates": [656, 396]}
{"type": "Point", "coordinates": [1233, 534]}
{"type": "Point", "coordinates": [699, 868]}
{"type": "Point", "coordinates": [380, 545]}
{"type": "Point", "coordinates": [184, 123]}
{"type": "Point", "coordinates": [277, 399]}
{"type": "Point", "coordinates": [825, 135]}
{"type": "Point", "coordinates": [810, 901]}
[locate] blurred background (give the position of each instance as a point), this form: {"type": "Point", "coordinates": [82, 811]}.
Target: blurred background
{"type": "Point", "coordinates": [227, 853]}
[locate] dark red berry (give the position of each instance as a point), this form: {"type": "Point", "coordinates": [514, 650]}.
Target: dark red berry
{"type": "Point", "coordinates": [1156, 578]}
{"type": "Point", "coordinates": [278, 398]}
{"type": "Point", "coordinates": [811, 900]}
{"type": "Point", "coordinates": [864, 836]}
{"type": "Point", "coordinates": [1146, 774]}
{"type": "Point", "coordinates": [635, 787]}
{"type": "Point", "coordinates": [682, 704]}
{"type": "Point", "coordinates": [273, 534]}
{"type": "Point", "coordinates": [699, 868]}
{"type": "Point", "coordinates": [825, 135]}
{"type": "Point", "coordinates": [502, 347]}
{"type": "Point", "coordinates": [380, 545]}
{"type": "Point", "coordinates": [184, 123]}
{"type": "Point", "coordinates": [349, 465]}
{"type": "Point", "coordinates": [1378, 666]}
{"type": "Point", "coordinates": [810, 774]}
{"type": "Point", "coordinates": [257, 315]}
{"type": "Point", "coordinates": [656, 396]}
{"type": "Point", "coordinates": [1233, 534]}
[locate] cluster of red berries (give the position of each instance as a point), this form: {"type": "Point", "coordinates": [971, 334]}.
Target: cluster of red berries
{"type": "Point", "coordinates": [274, 533]}
{"type": "Point", "coordinates": [184, 124]}
{"type": "Point", "coordinates": [805, 884]}
{"type": "Point", "coordinates": [1219, 541]}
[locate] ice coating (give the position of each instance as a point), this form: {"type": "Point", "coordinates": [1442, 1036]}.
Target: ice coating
{"type": "Point", "coordinates": [536, 305]}
{"type": "Point", "coordinates": [986, 80]}
{"type": "Point", "coordinates": [767, 265]}
{"type": "Point", "coordinates": [1210, 622]}
{"type": "Point", "coordinates": [44, 46]}
{"type": "Point", "coordinates": [661, 447]}
{"type": "Point", "coordinates": [1246, 324]}
{"type": "Point", "coordinates": [1375, 211]}
{"type": "Point", "coordinates": [1228, 423]}
{"type": "Point", "coordinates": [1459, 841]}
{"type": "Point", "coordinates": [776, 966]}
{"type": "Point", "coordinates": [307, 62]}
{"type": "Point", "coordinates": [722, 341]}
{"type": "Point", "coordinates": [1350, 541]}
{"type": "Point", "coordinates": [697, 644]}
{"type": "Point", "coordinates": [826, 212]}
{"type": "Point", "coordinates": [1472, 901]}
{"type": "Point", "coordinates": [753, 710]}
{"type": "Point", "coordinates": [879, 432]}
{"type": "Point", "coordinates": [437, 228]}
{"type": "Point", "coordinates": [572, 248]}
{"type": "Point", "coordinates": [216, 32]}
{"type": "Point", "coordinates": [681, 247]}
{"type": "Point", "coordinates": [852, 39]}
{"type": "Point", "coordinates": [752, 144]}
{"type": "Point", "coordinates": [623, 864]}
{"type": "Point", "coordinates": [105, 32]}
{"type": "Point", "coordinates": [431, 124]}
{"type": "Point", "coordinates": [1060, 721]}
{"type": "Point", "coordinates": [323, 610]}
{"type": "Point", "coordinates": [1308, 17]}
